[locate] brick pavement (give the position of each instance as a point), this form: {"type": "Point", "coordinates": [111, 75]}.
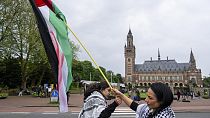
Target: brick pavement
{"type": "Point", "coordinates": [36, 104]}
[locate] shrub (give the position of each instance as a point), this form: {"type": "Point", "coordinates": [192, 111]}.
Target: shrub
{"type": "Point", "coordinates": [3, 95]}
{"type": "Point", "coordinates": [143, 95]}
{"type": "Point", "coordinates": [205, 97]}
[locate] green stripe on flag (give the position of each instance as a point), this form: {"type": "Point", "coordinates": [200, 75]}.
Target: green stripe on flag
{"type": "Point", "coordinates": [63, 39]}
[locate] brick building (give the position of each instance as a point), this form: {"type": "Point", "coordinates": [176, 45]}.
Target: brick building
{"type": "Point", "coordinates": [167, 71]}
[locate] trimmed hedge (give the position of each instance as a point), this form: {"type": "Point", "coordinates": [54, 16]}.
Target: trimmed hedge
{"type": "Point", "coordinates": [205, 96]}
{"type": "Point", "coordinates": [3, 95]}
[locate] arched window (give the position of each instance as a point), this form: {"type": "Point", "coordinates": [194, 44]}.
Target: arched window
{"type": "Point", "coordinates": [141, 84]}
{"type": "Point", "coordinates": [180, 84]}
{"type": "Point", "coordinates": [129, 59]}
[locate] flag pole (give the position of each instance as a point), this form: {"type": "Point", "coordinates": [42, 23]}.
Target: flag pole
{"type": "Point", "coordinates": [89, 56]}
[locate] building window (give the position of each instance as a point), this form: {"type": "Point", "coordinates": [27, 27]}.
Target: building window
{"type": "Point", "coordinates": [129, 78]}
{"type": "Point", "coordinates": [171, 77]}
{"type": "Point", "coordinates": [181, 78]}
{"type": "Point", "coordinates": [142, 78]}
{"type": "Point", "coordinates": [141, 84]}
{"type": "Point", "coordinates": [163, 78]}
{"type": "Point", "coordinates": [168, 78]}
{"type": "Point", "coordinates": [129, 59]}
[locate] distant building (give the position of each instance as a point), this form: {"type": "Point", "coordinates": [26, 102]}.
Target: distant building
{"type": "Point", "coordinates": [166, 71]}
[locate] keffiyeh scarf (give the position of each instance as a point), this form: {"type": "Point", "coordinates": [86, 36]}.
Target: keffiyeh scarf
{"type": "Point", "coordinates": [93, 106]}
{"type": "Point", "coordinates": [143, 112]}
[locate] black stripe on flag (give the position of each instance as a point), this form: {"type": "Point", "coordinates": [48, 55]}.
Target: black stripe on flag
{"type": "Point", "coordinates": [46, 39]}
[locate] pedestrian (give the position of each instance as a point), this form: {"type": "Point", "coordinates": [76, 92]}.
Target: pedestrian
{"type": "Point", "coordinates": [21, 92]}
{"type": "Point", "coordinates": [158, 101]}
{"type": "Point", "coordinates": [39, 90]}
{"type": "Point", "coordinates": [137, 96]}
{"type": "Point", "coordinates": [191, 94]}
{"type": "Point", "coordinates": [95, 105]}
{"type": "Point", "coordinates": [199, 94]}
{"type": "Point", "coordinates": [178, 95]}
{"type": "Point", "coordinates": [68, 95]}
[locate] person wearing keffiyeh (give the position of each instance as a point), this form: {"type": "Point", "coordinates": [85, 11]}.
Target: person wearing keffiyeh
{"type": "Point", "coordinates": [158, 101]}
{"type": "Point", "coordinates": [95, 105]}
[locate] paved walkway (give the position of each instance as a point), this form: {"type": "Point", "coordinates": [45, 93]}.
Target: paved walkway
{"type": "Point", "coordinates": [36, 104]}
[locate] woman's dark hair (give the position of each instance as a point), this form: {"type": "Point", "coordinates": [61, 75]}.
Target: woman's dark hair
{"type": "Point", "coordinates": [95, 87]}
{"type": "Point", "coordinates": [164, 96]}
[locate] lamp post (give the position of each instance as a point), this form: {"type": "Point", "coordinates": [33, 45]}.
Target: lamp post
{"type": "Point", "coordinates": [111, 77]}
{"type": "Point", "coordinates": [90, 76]}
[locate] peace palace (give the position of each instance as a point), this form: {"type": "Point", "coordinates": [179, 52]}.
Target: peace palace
{"type": "Point", "coordinates": [166, 71]}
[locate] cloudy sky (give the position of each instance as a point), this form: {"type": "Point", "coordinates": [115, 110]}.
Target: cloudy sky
{"type": "Point", "coordinates": [173, 26]}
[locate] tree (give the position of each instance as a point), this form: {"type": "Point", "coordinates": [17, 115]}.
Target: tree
{"type": "Point", "coordinates": [76, 70]}
{"type": "Point", "coordinates": [8, 13]}
{"type": "Point", "coordinates": [109, 76]}
{"type": "Point", "coordinates": [115, 78]}
{"type": "Point", "coordinates": [206, 82]}
{"type": "Point", "coordinates": [9, 73]}
{"type": "Point", "coordinates": [20, 39]}
{"type": "Point", "coordinates": [19, 36]}
{"type": "Point", "coordinates": [87, 69]}
{"type": "Point", "coordinates": [119, 77]}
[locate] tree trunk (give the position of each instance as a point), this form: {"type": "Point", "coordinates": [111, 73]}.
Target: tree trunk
{"type": "Point", "coordinates": [41, 77]}
{"type": "Point", "coordinates": [23, 84]}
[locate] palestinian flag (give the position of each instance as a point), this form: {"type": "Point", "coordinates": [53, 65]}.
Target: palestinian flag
{"type": "Point", "coordinates": [54, 34]}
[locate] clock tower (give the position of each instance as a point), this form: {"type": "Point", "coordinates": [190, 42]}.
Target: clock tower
{"type": "Point", "coordinates": [129, 51]}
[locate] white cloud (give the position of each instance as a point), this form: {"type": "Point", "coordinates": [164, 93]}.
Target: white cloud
{"type": "Point", "coordinates": [173, 26]}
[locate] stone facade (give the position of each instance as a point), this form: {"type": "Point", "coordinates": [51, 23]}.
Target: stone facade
{"type": "Point", "coordinates": [166, 71]}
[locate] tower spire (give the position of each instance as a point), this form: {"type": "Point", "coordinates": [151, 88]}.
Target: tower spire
{"type": "Point", "coordinates": [129, 38]}
{"type": "Point", "coordinates": [129, 32]}
{"type": "Point", "coordinates": [158, 54]}
{"type": "Point", "coordinates": [192, 60]}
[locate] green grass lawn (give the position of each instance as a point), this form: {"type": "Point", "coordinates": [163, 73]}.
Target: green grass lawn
{"type": "Point", "coordinates": [142, 95]}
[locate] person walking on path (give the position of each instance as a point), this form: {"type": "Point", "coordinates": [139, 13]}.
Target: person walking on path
{"type": "Point", "coordinates": [137, 96]}
{"type": "Point", "coordinates": [95, 105]}
{"type": "Point", "coordinates": [21, 92]}
{"type": "Point", "coordinates": [159, 98]}
{"type": "Point", "coordinates": [68, 96]}
{"type": "Point", "coordinates": [199, 94]}
{"type": "Point", "coordinates": [178, 95]}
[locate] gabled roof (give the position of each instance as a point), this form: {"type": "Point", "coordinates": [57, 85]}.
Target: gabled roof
{"type": "Point", "coordinates": [161, 65]}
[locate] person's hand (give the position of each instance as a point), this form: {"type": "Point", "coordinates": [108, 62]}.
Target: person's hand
{"type": "Point", "coordinates": [118, 100]}
{"type": "Point", "coordinates": [124, 98]}
{"type": "Point", "coordinates": [117, 92]}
